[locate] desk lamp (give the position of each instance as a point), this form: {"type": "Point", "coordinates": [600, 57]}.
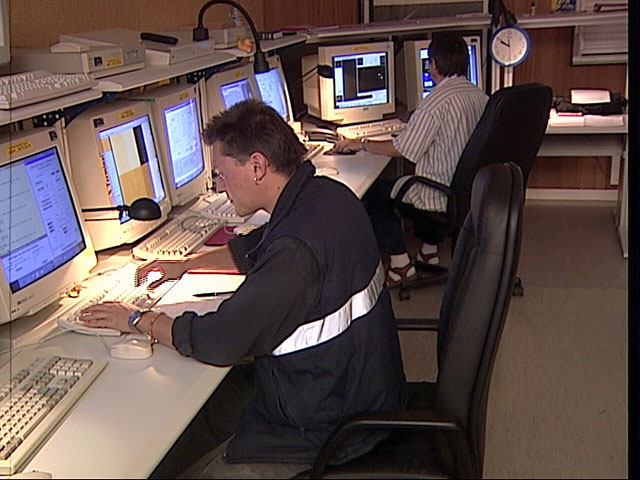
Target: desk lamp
{"type": "Point", "coordinates": [143, 209]}
{"type": "Point", "coordinates": [200, 33]}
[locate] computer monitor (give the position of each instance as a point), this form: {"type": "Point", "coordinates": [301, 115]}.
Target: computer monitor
{"type": "Point", "coordinates": [414, 79]}
{"type": "Point", "coordinates": [362, 88]}
{"type": "Point", "coordinates": [175, 113]}
{"type": "Point", "coordinates": [272, 87]}
{"type": "Point", "coordinates": [228, 87]}
{"type": "Point", "coordinates": [44, 247]}
{"type": "Point", "coordinates": [114, 162]}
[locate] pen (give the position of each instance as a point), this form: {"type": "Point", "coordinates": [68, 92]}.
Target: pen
{"type": "Point", "coordinates": [212, 294]}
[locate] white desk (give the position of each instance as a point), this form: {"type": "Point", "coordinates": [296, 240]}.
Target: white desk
{"type": "Point", "coordinates": [589, 141]}
{"type": "Point", "coordinates": [132, 414]}
{"type": "Point", "coordinates": [357, 171]}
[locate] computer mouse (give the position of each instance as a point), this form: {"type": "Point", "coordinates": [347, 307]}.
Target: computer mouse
{"type": "Point", "coordinates": [131, 348]}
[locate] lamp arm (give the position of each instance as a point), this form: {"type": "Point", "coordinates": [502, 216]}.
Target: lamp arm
{"type": "Point", "coordinates": [204, 8]}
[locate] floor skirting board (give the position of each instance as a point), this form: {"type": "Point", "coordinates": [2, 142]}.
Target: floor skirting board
{"type": "Point", "coordinates": [571, 194]}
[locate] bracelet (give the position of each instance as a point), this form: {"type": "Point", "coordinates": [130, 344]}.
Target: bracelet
{"type": "Point", "coordinates": [363, 143]}
{"type": "Point", "coordinates": [153, 339]}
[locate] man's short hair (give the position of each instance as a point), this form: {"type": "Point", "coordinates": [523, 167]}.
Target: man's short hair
{"type": "Point", "coordinates": [252, 126]}
{"type": "Point", "coordinates": [450, 54]}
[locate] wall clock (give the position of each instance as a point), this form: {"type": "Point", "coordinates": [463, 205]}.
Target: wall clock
{"type": "Point", "coordinates": [509, 46]}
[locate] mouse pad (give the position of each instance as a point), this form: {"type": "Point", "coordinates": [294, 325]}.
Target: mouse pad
{"type": "Point", "coordinates": [219, 238]}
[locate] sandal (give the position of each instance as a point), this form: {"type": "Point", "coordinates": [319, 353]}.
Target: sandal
{"type": "Point", "coordinates": [429, 264]}
{"type": "Point", "coordinates": [402, 273]}
{"type": "Point", "coordinates": [429, 259]}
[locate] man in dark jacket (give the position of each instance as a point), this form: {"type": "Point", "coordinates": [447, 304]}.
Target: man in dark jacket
{"type": "Point", "coordinates": [314, 310]}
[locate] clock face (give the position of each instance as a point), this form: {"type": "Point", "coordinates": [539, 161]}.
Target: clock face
{"type": "Point", "coordinates": [510, 46]}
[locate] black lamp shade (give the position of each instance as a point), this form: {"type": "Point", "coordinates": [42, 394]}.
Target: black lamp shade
{"type": "Point", "coordinates": [144, 209]}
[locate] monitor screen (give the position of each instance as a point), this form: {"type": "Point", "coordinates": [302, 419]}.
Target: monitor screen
{"type": "Point", "coordinates": [273, 89]}
{"type": "Point", "coordinates": [44, 250]}
{"type": "Point", "coordinates": [360, 80]}
{"type": "Point", "coordinates": [185, 147]}
{"type": "Point", "coordinates": [176, 121]}
{"type": "Point", "coordinates": [130, 163]}
{"type": "Point", "coordinates": [235, 92]}
{"type": "Point", "coordinates": [226, 88]}
{"type": "Point", "coordinates": [415, 81]}
{"type": "Point", "coordinates": [114, 162]}
{"type": "Point", "coordinates": [362, 88]}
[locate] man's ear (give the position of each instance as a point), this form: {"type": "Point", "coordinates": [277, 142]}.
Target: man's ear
{"type": "Point", "coordinates": [259, 164]}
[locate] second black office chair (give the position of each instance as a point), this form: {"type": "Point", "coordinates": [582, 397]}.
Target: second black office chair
{"type": "Point", "coordinates": [511, 128]}
{"type": "Point", "coordinates": [441, 433]}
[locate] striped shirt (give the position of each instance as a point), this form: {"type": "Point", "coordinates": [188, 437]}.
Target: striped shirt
{"type": "Point", "coordinates": [436, 135]}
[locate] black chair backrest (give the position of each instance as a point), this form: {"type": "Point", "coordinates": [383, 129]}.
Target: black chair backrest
{"type": "Point", "coordinates": [477, 297]}
{"type": "Point", "coordinates": [511, 129]}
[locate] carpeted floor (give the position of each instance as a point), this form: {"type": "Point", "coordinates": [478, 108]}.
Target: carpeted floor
{"type": "Point", "coordinates": [558, 398]}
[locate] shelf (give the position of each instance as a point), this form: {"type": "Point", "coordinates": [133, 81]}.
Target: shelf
{"type": "Point", "coordinates": [269, 45]}
{"type": "Point", "coordinates": [41, 108]}
{"type": "Point", "coordinates": [379, 28]}
{"type": "Point", "coordinates": [572, 19]}
{"type": "Point", "coordinates": [157, 73]}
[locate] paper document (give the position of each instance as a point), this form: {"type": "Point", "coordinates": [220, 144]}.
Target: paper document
{"type": "Point", "coordinates": [199, 291]}
{"type": "Point", "coordinates": [565, 120]}
{"type": "Point", "coordinates": [603, 120]}
{"type": "Point", "coordinates": [588, 96]}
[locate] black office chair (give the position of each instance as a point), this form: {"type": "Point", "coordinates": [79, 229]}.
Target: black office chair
{"type": "Point", "coordinates": [511, 128]}
{"type": "Point", "coordinates": [441, 432]}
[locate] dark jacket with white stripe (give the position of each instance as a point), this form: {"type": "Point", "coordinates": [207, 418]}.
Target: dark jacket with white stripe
{"type": "Point", "coordinates": [316, 314]}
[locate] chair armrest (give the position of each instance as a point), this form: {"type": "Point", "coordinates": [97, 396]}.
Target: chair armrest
{"type": "Point", "coordinates": [403, 420]}
{"type": "Point", "coordinates": [451, 201]}
{"type": "Point", "coordinates": [430, 324]}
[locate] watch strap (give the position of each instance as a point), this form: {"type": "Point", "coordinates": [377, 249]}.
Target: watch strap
{"type": "Point", "coordinates": [134, 319]}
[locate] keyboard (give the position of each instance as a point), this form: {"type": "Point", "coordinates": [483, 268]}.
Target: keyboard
{"type": "Point", "coordinates": [36, 394]}
{"type": "Point", "coordinates": [119, 286]}
{"type": "Point", "coordinates": [178, 237]}
{"type": "Point", "coordinates": [316, 149]}
{"type": "Point", "coordinates": [25, 88]}
{"type": "Point", "coordinates": [373, 129]}
{"type": "Point", "coordinates": [217, 206]}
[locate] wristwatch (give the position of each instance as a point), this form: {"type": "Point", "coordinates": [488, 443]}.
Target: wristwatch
{"type": "Point", "coordinates": [134, 318]}
{"type": "Point", "coordinates": [363, 143]}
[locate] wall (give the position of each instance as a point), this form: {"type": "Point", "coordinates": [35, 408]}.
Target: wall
{"type": "Point", "coordinates": [38, 23]}
{"type": "Point", "coordinates": [284, 13]}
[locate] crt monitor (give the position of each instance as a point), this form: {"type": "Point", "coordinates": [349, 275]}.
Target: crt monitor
{"type": "Point", "coordinates": [114, 161]}
{"type": "Point", "coordinates": [44, 247]}
{"type": "Point", "coordinates": [228, 87]}
{"type": "Point", "coordinates": [272, 87]}
{"type": "Point", "coordinates": [414, 80]}
{"type": "Point", "coordinates": [175, 112]}
{"type": "Point", "coordinates": [362, 88]}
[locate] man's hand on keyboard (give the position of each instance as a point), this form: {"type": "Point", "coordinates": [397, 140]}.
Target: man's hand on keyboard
{"type": "Point", "coordinates": [168, 269]}
{"type": "Point", "coordinates": [109, 315]}
{"type": "Point", "coordinates": [345, 145]}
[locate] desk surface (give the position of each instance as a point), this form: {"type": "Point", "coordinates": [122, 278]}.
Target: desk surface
{"type": "Point", "coordinates": [132, 414]}
{"type": "Point", "coordinates": [357, 171]}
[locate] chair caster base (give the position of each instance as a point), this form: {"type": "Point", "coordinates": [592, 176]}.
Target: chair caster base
{"type": "Point", "coordinates": [404, 293]}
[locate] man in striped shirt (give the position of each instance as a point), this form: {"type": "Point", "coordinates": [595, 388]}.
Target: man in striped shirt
{"type": "Point", "coordinates": [436, 135]}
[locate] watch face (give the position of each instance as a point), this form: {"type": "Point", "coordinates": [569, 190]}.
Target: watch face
{"type": "Point", "coordinates": [510, 46]}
